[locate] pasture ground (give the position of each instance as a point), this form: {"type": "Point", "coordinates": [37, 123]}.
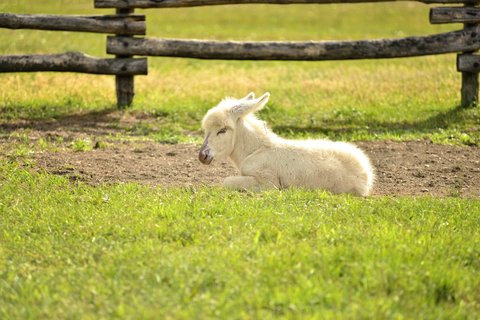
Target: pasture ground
{"type": "Point", "coordinates": [88, 153]}
{"type": "Point", "coordinates": [402, 168]}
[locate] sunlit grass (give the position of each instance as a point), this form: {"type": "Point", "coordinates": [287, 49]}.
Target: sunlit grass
{"type": "Point", "coordinates": [128, 251]}
{"type": "Point", "coordinates": [351, 100]}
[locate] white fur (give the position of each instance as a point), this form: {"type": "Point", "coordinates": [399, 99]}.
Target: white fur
{"type": "Point", "coordinates": [266, 160]}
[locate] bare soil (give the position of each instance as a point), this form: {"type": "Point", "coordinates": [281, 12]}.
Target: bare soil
{"type": "Point", "coordinates": [402, 168]}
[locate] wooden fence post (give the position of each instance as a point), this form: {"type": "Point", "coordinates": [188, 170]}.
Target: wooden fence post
{"type": "Point", "coordinates": [469, 89]}
{"type": "Point", "coordinates": [469, 79]}
{"type": "Point", "coordinates": [124, 84]}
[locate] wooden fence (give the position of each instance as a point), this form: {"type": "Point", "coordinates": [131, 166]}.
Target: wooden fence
{"type": "Point", "coordinates": [125, 25]}
{"type": "Point", "coordinates": [124, 67]}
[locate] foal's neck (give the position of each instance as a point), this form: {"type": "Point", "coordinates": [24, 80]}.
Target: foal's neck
{"type": "Point", "coordinates": [250, 136]}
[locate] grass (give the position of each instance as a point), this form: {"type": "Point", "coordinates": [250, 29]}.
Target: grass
{"type": "Point", "coordinates": [72, 250]}
{"type": "Point", "coordinates": [131, 251]}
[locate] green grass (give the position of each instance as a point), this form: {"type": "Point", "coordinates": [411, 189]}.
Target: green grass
{"type": "Point", "coordinates": [73, 251]}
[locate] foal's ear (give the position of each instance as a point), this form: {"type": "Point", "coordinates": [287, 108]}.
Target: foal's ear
{"type": "Point", "coordinates": [244, 107]}
{"type": "Point", "coordinates": [249, 96]}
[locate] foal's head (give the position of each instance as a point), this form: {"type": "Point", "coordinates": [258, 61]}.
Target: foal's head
{"type": "Point", "coordinates": [220, 123]}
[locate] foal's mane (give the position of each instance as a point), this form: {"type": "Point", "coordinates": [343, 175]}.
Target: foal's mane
{"type": "Point", "coordinates": [260, 129]}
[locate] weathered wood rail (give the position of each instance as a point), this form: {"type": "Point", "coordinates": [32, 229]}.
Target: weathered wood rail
{"type": "Point", "coordinates": [72, 62]}
{"type": "Point", "coordinates": [125, 24]}
{"type": "Point", "coordinates": [455, 15]}
{"type": "Point", "coordinates": [145, 4]}
{"type": "Point", "coordinates": [457, 41]}
{"type": "Point", "coordinates": [131, 25]}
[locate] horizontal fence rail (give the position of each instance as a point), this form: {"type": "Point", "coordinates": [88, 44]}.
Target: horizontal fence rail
{"type": "Point", "coordinates": [456, 41]}
{"type": "Point", "coordinates": [455, 15]}
{"type": "Point", "coordinates": [193, 3]}
{"type": "Point", "coordinates": [72, 62]}
{"type": "Point", "coordinates": [128, 25]}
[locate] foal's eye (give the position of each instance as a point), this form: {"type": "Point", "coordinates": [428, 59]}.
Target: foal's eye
{"type": "Point", "coordinates": [223, 130]}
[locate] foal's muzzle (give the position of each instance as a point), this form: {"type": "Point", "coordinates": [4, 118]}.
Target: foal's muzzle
{"type": "Point", "coordinates": [205, 155]}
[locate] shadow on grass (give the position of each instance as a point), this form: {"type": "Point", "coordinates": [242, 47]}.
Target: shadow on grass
{"type": "Point", "coordinates": [113, 121]}
{"type": "Point", "coordinates": [458, 117]}
{"type": "Point", "coordinates": [98, 122]}
{"type": "Point", "coordinates": [159, 125]}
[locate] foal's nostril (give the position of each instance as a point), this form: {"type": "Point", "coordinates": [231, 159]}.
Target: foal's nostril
{"type": "Point", "coordinates": [203, 155]}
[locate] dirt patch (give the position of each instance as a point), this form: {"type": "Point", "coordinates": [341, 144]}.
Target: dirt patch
{"type": "Point", "coordinates": [421, 167]}
{"type": "Point", "coordinates": [402, 168]}
{"type": "Point", "coordinates": [150, 163]}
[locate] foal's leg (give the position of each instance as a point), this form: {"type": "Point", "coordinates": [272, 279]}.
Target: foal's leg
{"type": "Point", "coordinates": [241, 183]}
